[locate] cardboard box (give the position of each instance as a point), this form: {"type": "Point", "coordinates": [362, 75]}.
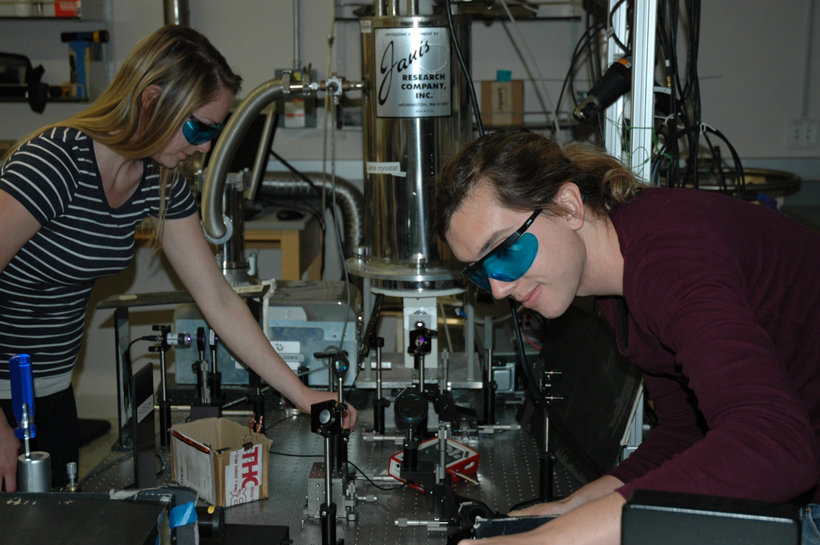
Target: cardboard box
{"type": "Point", "coordinates": [221, 460]}
{"type": "Point", "coordinates": [502, 103]}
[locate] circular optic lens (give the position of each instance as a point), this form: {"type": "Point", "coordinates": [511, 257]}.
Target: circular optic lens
{"type": "Point", "coordinates": [325, 417]}
{"type": "Point", "coordinates": [411, 407]}
{"type": "Point", "coordinates": [341, 364]}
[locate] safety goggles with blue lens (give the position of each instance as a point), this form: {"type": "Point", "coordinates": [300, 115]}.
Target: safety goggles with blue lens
{"type": "Point", "coordinates": [508, 261]}
{"type": "Point", "coordinates": [198, 132]}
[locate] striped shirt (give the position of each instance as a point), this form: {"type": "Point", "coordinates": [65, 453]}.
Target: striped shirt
{"type": "Point", "coordinates": [45, 288]}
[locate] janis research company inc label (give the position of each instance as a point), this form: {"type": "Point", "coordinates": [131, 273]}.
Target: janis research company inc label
{"type": "Point", "coordinates": [413, 72]}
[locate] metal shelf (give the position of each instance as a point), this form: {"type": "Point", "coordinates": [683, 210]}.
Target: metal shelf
{"type": "Point", "coordinates": [91, 11]}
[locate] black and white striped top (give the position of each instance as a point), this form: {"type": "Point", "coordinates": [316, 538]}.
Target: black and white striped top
{"type": "Point", "coordinates": [45, 289]}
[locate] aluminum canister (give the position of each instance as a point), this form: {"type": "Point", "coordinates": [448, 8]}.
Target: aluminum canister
{"type": "Point", "coordinates": [417, 115]}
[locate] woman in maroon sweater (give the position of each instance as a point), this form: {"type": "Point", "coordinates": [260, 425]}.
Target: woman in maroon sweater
{"type": "Point", "coordinates": [717, 301]}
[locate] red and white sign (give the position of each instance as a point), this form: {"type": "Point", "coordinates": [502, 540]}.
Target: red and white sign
{"type": "Point", "coordinates": [243, 475]}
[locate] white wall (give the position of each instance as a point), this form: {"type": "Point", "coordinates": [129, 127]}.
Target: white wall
{"type": "Point", "coordinates": [751, 67]}
{"type": "Point", "coordinates": [751, 61]}
{"type": "Point", "coordinates": [752, 73]}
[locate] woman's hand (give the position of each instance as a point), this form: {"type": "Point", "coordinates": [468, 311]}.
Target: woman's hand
{"type": "Point", "coordinates": [9, 450]}
{"type": "Point", "coordinates": [317, 396]}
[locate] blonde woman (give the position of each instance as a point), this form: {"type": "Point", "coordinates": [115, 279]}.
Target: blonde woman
{"type": "Point", "coordinates": [71, 197]}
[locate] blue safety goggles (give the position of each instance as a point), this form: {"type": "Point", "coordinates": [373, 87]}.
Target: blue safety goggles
{"type": "Point", "coordinates": [198, 132]}
{"type": "Point", "coordinates": [508, 261]}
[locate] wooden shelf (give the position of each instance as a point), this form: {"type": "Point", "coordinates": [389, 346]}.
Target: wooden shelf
{"type": "Point", "coordinates": [298, 241]}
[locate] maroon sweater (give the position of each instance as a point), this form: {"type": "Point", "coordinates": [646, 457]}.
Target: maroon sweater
{"type": "Point", "coordinates": [723, 301]}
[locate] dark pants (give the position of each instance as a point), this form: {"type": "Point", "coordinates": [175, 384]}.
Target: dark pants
{"type": "Point", "coordinates": [57, 430]}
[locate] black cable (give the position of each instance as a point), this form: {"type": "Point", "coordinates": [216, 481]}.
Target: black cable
{"type": "Point", "coordinates": [678, 102]}
{"type": "Point", "coordinates": [673, 42]}
{"type": "Point", "coordinates": [280, 421]}
{"type": "Point", "coordinates": [694, 83]}
{"type": "Point", "coordinates": [627, 50]}
{"type": "Point", "coordinates": [600, 127]}
{"type": "Point", "coordinates": [575, 54]}
{"type": "Point", "coordinates": [104, 466]}
{"type": "Point", "coordinates": [301, 207]}
{"type": "Point", "coordinates": [663, 151]}
{"type": "Point", "coordinates": [718, 165]}
{"type": "Point", "coordinates": [740, 175]}
{"type": "Point", "coordinates": [295, 171]}
{"type": "Point", "coordinates": [740, 180]}
{"type": "Point", "coordinates": [147, 338]}
{"type": "Point", "coordinates": [596, 64]}
{"type": "Point", "coordinates": [315, 214]}
{"type": "Point", "coordinates": [591, 60]}
{"type": "Point", "coordinates": [373, 483]}
{"type": "Point", "coordinates": [693, 12]}
{"type": "Point", "coordinates": [319, 191]}
{"type": "Point", "coordinates": [592, 56]}
{"type": "Point", "coordinates": [599, 58]}
{"type": "Point", "coordinates": [673, 168]}
{"type": "Point", "coordinates": [470, 87]}
{"type": "Point", "coordinates": [685, 107]}
{"type": "Point", "coordinates": [349, 462]}
{"type": "Point", "coordinates": [288, 454]}
{"type": "Point", "coordinates": [680, 110]}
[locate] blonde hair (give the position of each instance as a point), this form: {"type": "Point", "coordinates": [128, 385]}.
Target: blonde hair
{"type": "Point", "coordinates": [526, 171]}
{"type": "Point", "coordinates": [190, 72]}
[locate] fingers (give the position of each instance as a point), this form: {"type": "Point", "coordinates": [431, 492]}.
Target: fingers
{"type": "Point", "coordinates": [10, 481]}
{"type": "Point", "coordinates": [8, 464]}
{"type": "Point", "coordinates": [9, 449]}
{"type": "Point", "coordinates": [351, 416]}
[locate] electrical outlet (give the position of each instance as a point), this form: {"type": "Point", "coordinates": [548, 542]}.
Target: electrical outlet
{"type": "Point", "coordinates": [802, 133]}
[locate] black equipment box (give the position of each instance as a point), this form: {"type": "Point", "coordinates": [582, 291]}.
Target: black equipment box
{"type": "Point", "coordinates": [244, 534]}
{"type": "Point", "coordinates": [666, 518]}
{"type": "Point", "coordinates": [77, 519]}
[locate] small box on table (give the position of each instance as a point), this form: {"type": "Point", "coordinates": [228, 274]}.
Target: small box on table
{"type": "Point", "coordinates": [221, 460]}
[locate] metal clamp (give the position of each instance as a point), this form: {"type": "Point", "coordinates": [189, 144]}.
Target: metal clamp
{"type": "Point", "coordinates": [286, 83]}
{"type": "Point", "coordinates": [334, 85]}
{"type": "Point", "coordinates": [224, 238]}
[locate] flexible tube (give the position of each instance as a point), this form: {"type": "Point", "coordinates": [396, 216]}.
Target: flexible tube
{"type": "Point", "coordinates": [226, 146]}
